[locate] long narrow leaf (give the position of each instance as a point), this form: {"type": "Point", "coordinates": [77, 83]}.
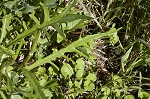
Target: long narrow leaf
{"type": "Point", "coordinates": [61, 15]}
{"type": "Point", "coordinates": [71, 48]}
{"type": "Point", "coordinates": [35, 84]}
{"type": "Point", "coordinates": [73, 17]}
{"type": "Point", "coordinates": [124, 58]}
{"type": "Point", "coordinates": [7, 51]}
{"type": "Point", "coordinates": [24, 34]}
{"type": "Point", "coordinates": [2, 95]}
{"type": "Point", "coordinates": [6, 21]}
{"type": "Point", "coordinates": [46, 12]}
{"type": "Point", "coordinates": [48, 23]}
{"type": "Point", "coordinates": [34, 19]}
{"type": "Point", "coordinates": [59, 30]}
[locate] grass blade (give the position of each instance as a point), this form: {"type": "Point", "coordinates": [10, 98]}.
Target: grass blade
{"type": "Point", "coordinates": [6, 21]}
{"type": "Point", "coordinates": [124, 58]}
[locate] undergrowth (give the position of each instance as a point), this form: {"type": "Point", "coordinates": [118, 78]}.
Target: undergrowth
{"type": "Point", "coordinates": [98, 49]}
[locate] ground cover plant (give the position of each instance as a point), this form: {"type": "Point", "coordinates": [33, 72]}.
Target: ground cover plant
{"type": "Point", "coordinates": [74, 49]}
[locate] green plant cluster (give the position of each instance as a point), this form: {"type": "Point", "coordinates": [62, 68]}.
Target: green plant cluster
{"type": "Point", "coordinates": [47, 49]}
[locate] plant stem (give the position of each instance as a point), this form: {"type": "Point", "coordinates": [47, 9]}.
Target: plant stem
{"type": "Point", "coordinates": [33, 48]}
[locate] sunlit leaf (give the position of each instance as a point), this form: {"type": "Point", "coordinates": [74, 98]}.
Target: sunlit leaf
{"type": "Point", "coordinates": [129, 97]}
{"type": "Point", "coordinates": [78, 84]}
{"type": "Point", "coordinates": [34, 18]}
{"type": "Point", "coordinates": [124, 58]}
{"type": "Point", "coordinates": [79, 68]}
{"type": "Point", "coordinates": [46, 12]}
{"type": "Point", "coordinates": [70, 84]}
{"type": "Point", "coordinates": [91, 77]}
{"type": "Point", "coordinates": [66, 70]}
{"type": "Point", "coordinates": [80, 65]}
{"type": "Point", "coordinates": [7, 51]}
{"type": "Point", "coordinates": [41, 71]}
{"type": "Point", "coordinates": [114, 39]}
{"type": "Point", "coordinates": [89, 86]}
{"type": "Point", "coordinates": [15, 97]}
{"type": "Point", "coordinates": [2, 95]}
{"type": "Point", "coordinates": [106, 90]}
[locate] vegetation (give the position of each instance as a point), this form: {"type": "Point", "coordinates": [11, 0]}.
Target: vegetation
{"type": "Point", "coordinates": [74, 49]}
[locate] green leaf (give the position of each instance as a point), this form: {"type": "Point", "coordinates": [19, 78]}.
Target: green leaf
{"type": "Point", "coordinates": [106, 90]}
{"type": "Point", "coordinates": [59, 30]}
{"type": "Point", "coordinates": [105, 97]}
{"type": "Point", "coordinates": [51, 71]}
{"type": "Point", "coordinates": [80, 65]}
{"type": "Point", "coordinates": [10, 4]}
{"type": "Point", "coordinates": [145, 95]}
{"type": "Point", "coordinates": [5, 27]}
{"type": "Point", "coordinates": [79, 74]}
{"type": "Point", "coordinates": [89, 86]}
{"type": "Point", "coordinates": [44, 24]}
{"type": "Point", "coordinates": [71, 48]}
{"type": "Point", "coordinates": [48, 93]}
{"type": "Point", "coordinates": [66, 70]}
{"type": "Point", "coordinates": [48, 2]}
{"type": "Point", "coordinates": [70, 84]}
{"type": "Point", "coordinates": [73, 17]}
{"type": "Point", "coordinates": [15, 77]}
{"type": "Point", "coordinates": [53, 84]}
{"type": "Point", "coordinates": [43, 80]}
{"type": "Point", "coordinates": [28, 8]}
{"type": "Point", "coordinates": [46, 12]}
{"type": "Point", "coordinates": [114, 39]}
{"type": "Point", "coordinates": [77, 24]}
{"type": "Point", "coordinates": [59, 38]}
{"type": "Point", "coordinates": [15, 97]}
{"type": "Point", "coordinates": [7, 51]}
{"type": "Point", "coordinates": [27, 32]}
{"type": "Point", "coordinates": [41, 70]}
{"type": "Point", "coordinates": [145, 43]}
{"type": "Point", "coordinates": [140, 94]}
{"type": "Point", "coordinates": [2, 95]}
{"type": "Point", "coordinates": [61, 15]}
{"type": "Point", "coordinates": [78, 84]}
{"type": "Point", "coordinates": [117, 79]}
{"type": "Point", "coordinates": [34, 18]}
{"type": "Point", "coordinates": [37, 88]}
{"type": "Point", "coordinates": [9, 83]}
{"type": "Point", "coordinates": [129, 97]}
{"type": "Point", "coordinates": [124, 58]}
{"type": "Point", "coordinates": [91, 77]}
{"type": "Point", "coordinates": [79, 68]}
{"type": "Point", "coordinates": [118, 92]}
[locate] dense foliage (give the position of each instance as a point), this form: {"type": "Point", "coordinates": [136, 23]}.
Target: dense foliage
{"type": "Point", "coordinates": [74, 49]}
